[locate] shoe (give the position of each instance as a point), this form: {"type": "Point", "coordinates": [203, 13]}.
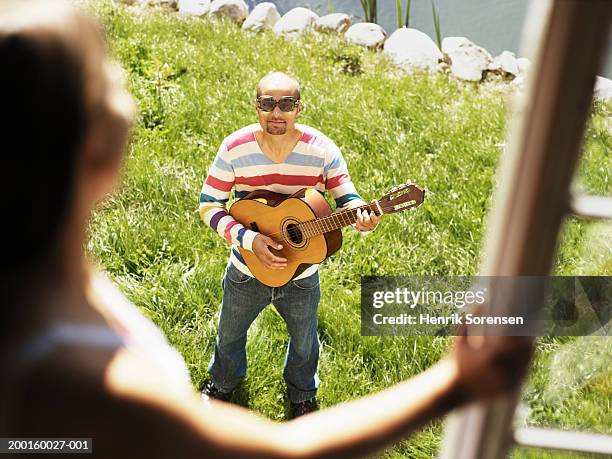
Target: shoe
{"type": "Point", "coordinates": [305, 407]}
{"type": "Point", "coordinates": [212, 391]}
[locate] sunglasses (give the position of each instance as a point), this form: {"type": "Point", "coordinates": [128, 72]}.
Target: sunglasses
{"type": "Point", "coordinates": [286, 103]}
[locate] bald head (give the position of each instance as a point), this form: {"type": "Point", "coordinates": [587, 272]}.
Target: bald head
{"type": "Point", "coordinates": [275, 81]}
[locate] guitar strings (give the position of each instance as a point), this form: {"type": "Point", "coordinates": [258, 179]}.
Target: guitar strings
{"type": "Point", "coordinates": [322, 221]}
{"type": "Point", "coordinates": [329, 219]}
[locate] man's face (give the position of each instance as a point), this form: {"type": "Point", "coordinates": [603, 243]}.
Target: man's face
{"type": "Point", "coordinates": [278, 122]}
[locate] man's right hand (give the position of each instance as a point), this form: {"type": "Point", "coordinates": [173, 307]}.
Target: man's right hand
{"type": "Point", "coordinates": [261, 248]}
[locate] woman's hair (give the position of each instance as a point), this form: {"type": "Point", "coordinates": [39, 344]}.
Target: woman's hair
{"type": "Point", "coordinates": [50, 90]}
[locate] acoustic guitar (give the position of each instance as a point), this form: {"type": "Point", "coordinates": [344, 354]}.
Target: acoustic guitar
{"type": "Point", "coordinates": [306, 226]}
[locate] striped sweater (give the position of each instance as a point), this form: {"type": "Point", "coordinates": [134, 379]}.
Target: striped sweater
{"type": "Point", "coordinates": [315, 162]}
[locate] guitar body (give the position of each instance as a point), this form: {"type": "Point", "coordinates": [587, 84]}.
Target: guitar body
{"type": "Point", "coordinates": [283, 218]}
{"type": "Point", "coordinates": [275, 215]}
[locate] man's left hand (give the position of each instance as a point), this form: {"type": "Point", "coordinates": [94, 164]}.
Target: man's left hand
{"type": "Point", "coordinates": [366, 221]}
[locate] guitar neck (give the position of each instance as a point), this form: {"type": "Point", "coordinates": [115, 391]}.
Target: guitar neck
{"type": "Point", "coordinates": [337, 220]}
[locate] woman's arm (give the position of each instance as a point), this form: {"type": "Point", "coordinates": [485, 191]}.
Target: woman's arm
{"type": "Point", "coordinates": [356, 428]}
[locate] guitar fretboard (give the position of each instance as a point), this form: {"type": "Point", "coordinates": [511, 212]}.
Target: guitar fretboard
{"type": "Point", "coordinates": [334, 221]}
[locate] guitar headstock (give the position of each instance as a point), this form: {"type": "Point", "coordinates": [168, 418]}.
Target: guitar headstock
{"type": "Point", "coordinates": [401, 198]}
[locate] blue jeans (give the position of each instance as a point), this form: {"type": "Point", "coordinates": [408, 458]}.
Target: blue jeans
{"type": "Point", "coordinates": [244, 297]}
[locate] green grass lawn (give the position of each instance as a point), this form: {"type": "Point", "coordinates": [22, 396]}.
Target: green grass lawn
{"type": "Point", "coordinates": [195, 83]}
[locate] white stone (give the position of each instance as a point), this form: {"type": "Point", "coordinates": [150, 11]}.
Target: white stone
{"type": "Point", "coordinates": [335, 22]}
{"type": "Point", "coordinates": [236, 10]}
{"type": "Point", "coordinates": [263, 16]}
{"type": "Point", "coordinates": [193, 7]}
{"type": "Point", "coordinates": [505, 63]}
{"type": "Point", "coordinates": [412, 49]}
{"type": "Point", "coordinates": [524, 65]}
{"type": "Point", "coordinates": [366, 34]}
{"type": "Point", "coordinates": [468, 60]}
{"type": "Point", "coordinates": [603, 89]}
{"type": "Point", "coordinates": [519, 82]}
{"type": "Point", "coordinates": [295, 22]}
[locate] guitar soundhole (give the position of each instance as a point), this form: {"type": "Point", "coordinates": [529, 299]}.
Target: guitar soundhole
{"type": "Point", "coordinates": [294, 233]}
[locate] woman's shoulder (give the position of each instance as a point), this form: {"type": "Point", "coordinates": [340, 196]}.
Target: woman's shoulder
{"type": "Point", "coordinates": [139, 333]}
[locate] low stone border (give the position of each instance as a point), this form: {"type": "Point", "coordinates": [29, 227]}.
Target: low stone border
{"type": "Point", "coordinates": [408, 48]}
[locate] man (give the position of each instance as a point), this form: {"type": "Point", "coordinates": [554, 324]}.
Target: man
{"type": "Point", "coordinates": [280, 156]}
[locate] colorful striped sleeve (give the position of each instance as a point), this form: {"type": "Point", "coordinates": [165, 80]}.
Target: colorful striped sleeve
{"type": "Point", "coordinates": [338, 181]}
{"type": "Point", "coordinates": [213, 202]}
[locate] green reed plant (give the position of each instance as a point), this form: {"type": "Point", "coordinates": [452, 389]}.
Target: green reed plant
{"type": "Point", "coordinates": [436, 21]}
{"type": "Point", "coordinates": [369, 10]}
{"type": "Point", "coordinates": [398, 5]}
